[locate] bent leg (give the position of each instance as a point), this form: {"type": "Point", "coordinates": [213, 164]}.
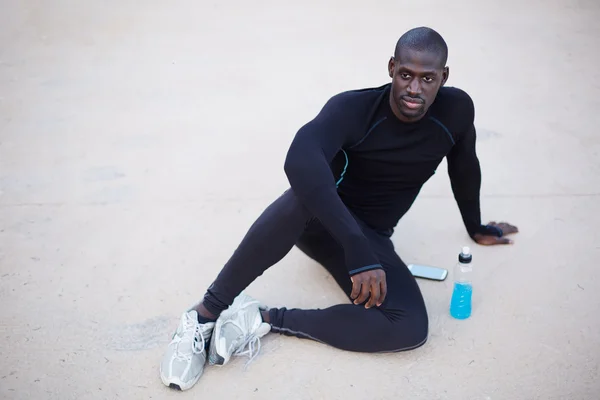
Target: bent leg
{"type": "Point", "coordinates": [401, 323]}
{"type": "Point", "coordinates": [267, 241]}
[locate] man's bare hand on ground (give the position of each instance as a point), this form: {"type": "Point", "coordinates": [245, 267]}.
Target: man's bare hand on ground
{"type": "Point", "coordinates": [490, 240]}
{"type": "Point", "coordinates": [369, 282]}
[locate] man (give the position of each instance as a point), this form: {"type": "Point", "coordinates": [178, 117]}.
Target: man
{"type": "Point", "coordinates": [354, 170]}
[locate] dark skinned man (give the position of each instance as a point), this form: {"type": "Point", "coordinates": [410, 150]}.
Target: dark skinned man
{"type": "Point", "coordinates": [354, 171]}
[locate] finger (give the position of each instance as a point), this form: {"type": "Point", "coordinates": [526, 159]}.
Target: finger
{"type": "Point", "coordinates": [488, 240]}
{"type": "Point", "coordinates": [375, 290]}
{"type": "Point", "coordinates": [355, 288]}
{"type": "Point", "coordinates": [364, 294]}
{"type": "Point", "coordinates": [508, 228]}
{"type": "Point", "coordinates": [502, 240]}
{"type": "Point", "coordinates": [383, 292]}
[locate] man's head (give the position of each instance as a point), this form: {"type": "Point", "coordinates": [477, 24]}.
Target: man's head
{"type": "Point", "coordinates": [418, 70]}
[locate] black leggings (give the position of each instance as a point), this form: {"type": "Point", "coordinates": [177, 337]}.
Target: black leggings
{"type": "Point", "coordinates": [400, 323]}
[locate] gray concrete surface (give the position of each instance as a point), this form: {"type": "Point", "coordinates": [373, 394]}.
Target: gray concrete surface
{"type": "Point", "coordinates": [138, 141]}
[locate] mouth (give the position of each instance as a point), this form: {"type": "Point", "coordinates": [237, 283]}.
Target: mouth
{"type": "Point", "coordinates": [412, 103]}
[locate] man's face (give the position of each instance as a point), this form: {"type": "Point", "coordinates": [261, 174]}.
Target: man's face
{"type": "Point", "coordinates": [416, 78]}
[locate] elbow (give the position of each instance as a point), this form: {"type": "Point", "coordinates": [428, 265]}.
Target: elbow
{"type": "Point", "coordinates": [292, 165]}
{"type": "Point", "coordinates": [295, 167]}
{"type": "Point", "coordinates": [298, 160]}
{"type": "Point", "coordinates": [298, 157]}
{"type": "Point", "coordinates": [290, 161]}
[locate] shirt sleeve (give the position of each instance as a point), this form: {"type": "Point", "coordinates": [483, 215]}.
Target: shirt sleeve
{"type": "Point", "coordinates": [308, 169]}
{"type": "Point", "coordinates": [464, 169]}
{"type": "Point", "coordinates": [465, 178]}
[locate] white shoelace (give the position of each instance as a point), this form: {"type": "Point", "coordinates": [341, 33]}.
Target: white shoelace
{"type": "Point", "coordinates": [191, 331]}
{"type": "Point", "coordinates": [251, 341]}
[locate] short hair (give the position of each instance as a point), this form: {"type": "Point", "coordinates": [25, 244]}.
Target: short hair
{"type": "Point", "coordinates": [423, 39]}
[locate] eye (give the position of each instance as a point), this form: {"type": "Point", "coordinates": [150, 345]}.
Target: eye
{"type": "Point", "coordinates": [404, 75]}
{"type": "Point", "coordinates": [428, 79]}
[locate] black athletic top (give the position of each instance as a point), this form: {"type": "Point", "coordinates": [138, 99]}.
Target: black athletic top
{"type": "Point", "coordinates": [357, 158]}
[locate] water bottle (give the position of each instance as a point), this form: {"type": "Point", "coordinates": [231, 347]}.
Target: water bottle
{"type": "Point", "coordinates": [460, 305]}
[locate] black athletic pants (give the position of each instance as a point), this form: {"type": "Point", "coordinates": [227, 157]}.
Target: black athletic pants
{"type": "Point", "coordinates": [400, 323]}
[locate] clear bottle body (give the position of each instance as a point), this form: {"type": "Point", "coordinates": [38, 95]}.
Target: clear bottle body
{"type": "Point", "coordinates": [462, 294]}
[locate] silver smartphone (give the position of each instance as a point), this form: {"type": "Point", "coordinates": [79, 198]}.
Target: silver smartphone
{"type": "Point", "coordinates": [428, 272]}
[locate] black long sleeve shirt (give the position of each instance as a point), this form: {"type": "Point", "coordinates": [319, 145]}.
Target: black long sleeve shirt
{"type": "Point", "coordinates": [357, 159]}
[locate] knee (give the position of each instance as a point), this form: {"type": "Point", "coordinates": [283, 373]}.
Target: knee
{"type": "Point", "coordinates": [287, 211]}
{"type": "Point", "coordinates": [293, 207]}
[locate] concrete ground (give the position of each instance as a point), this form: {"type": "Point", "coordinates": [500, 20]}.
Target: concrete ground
{"type": "Point", "coordinates": [139, 140]}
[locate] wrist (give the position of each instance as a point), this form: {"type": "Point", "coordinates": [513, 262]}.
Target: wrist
{"type": "Point", "coordinates": [360, 256]}
{"type": "Point", "coordinates": [365, 268]}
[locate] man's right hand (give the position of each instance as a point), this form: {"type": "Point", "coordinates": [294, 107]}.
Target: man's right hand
{"type": "Point", "coordinates": [369, 282]}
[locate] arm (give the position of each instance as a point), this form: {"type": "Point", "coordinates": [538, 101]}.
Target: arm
{"type": "Point", "coordinates": [308, 169]}
{"type": "Point", "coordinates": [465, 177]}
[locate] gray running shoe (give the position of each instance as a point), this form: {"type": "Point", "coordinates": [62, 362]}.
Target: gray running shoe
{"type": "Point", "coordinates": [183, 363]}
{"type": "Point", "coordinates": [238, 331]}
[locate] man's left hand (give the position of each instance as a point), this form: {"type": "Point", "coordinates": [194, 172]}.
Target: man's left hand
{"type": "Point", "coordinates": [490, 240]}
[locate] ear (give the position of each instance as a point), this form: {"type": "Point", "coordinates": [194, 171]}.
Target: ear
{"type": "Point", "coordinates": [445, 75]}
{"type": "Point", "coordinates": [391, 66]}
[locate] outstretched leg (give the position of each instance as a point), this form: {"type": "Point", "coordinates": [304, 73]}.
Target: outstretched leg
{"type": "Point", "coordinates": [401, 323]}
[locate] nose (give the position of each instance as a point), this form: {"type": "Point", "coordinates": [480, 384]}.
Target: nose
{"type": "Point", "coordinates": [414, 87]}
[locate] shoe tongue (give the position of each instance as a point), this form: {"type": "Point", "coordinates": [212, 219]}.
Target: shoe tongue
{"type": "Point", "coordinates": [186, 341]}
{"type": "Point", "coordinates": [193, 314]}
{"type": "Point", "coordinates": [189, 334]}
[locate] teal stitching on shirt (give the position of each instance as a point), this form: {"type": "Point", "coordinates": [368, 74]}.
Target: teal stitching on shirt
{"type": "Point", "coordinates": [443, 127]}
{"type": "Point", "coordinates": [368, 132]}
{"type": "Point", "coordinates": [344, 170]}
{"type": "Point", "coordinates": [354, 145]}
